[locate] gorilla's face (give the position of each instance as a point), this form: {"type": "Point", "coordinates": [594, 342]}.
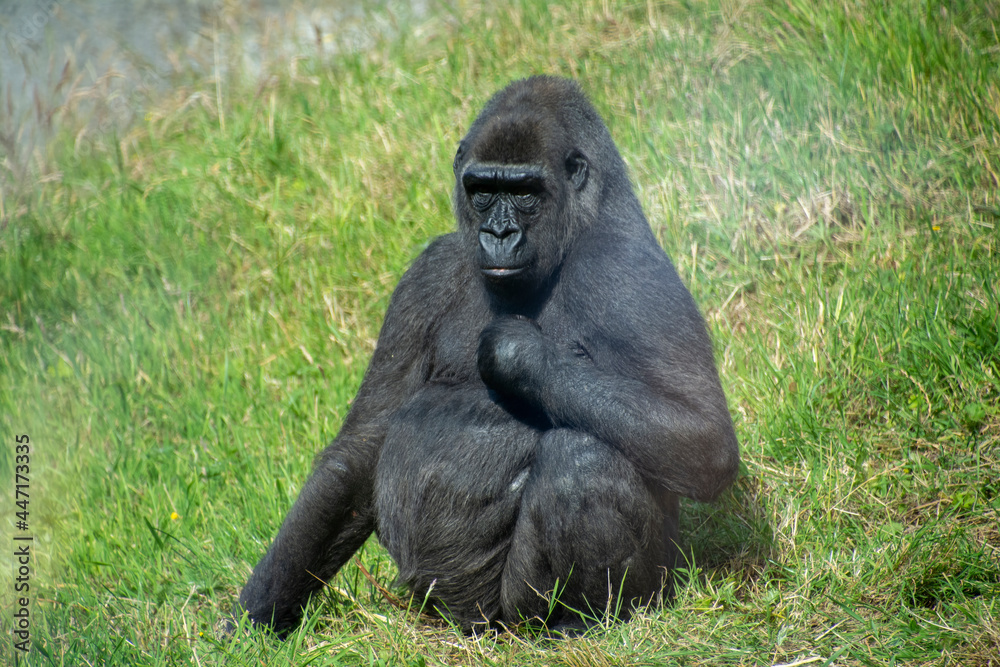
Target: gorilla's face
{"type": "Point", "coordinates": [514, 206]}
{"type": "Point", "coordinates": [509, 206]}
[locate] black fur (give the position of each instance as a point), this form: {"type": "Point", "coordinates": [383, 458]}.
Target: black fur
{"type": "Point", "coordinates": [542, 392]}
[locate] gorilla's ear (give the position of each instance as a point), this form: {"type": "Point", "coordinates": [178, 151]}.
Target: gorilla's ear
{"type": "Point", "coordinates": [459, 154]}
{"type": "Point", "coordinates": [577, 168]}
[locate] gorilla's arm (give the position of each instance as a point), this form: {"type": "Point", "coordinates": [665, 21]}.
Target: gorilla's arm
{"type": "Point", "coordinates": [333, 515]}
{"type": "Point", "coordinates": [645, 380]}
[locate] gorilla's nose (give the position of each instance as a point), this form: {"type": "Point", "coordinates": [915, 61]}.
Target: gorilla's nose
{"type": "Point", "coordinates": [499, 227]}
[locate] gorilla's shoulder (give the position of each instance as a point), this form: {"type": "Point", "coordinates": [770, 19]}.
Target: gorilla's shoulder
{"type": "Point", "coordinates": [441, 264]}
{"type": "Point", "coordinates": [445, 248]}
{"type": "Point", "coordinates": [627, 257]}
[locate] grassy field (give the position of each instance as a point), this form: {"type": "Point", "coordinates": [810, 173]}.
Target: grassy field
{"type": "Point", "coordinates": [188, 304]}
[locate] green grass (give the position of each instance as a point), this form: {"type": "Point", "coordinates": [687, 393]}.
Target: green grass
{"type": "Point", "coordinates": [187, 307]}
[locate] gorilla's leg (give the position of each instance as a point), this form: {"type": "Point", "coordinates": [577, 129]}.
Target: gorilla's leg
{"type": "Point", "coordinates": [448, 487]}
{"type": "Point", "coordinates": [591, 528]}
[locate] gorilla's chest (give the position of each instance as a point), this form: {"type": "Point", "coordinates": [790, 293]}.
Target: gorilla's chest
{"type": "Point", "coordinates": [452, 355]}
{"type": "Point", "coordinates": [453, 345]}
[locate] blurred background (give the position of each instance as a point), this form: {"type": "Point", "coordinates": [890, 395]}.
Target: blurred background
{"type": "Point", "coordinates": [105, 60]}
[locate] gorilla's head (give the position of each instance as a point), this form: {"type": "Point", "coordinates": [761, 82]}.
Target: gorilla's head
{"type": "Point", "coordinates": [529, 178]}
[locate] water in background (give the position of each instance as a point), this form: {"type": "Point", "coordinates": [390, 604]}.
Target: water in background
{"type": "Point", "coordinates": [102, 63]}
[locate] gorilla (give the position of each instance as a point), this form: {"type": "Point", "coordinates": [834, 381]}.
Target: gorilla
{"type": "Point", "coordinates": [542, 392]}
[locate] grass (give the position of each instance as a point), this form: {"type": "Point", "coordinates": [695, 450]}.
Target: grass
{"type": "Point", "coordinates": [188, 303]}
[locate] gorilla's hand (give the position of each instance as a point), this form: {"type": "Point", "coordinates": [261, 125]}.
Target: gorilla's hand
{"type": "Point", "coordinates": [512, 357]}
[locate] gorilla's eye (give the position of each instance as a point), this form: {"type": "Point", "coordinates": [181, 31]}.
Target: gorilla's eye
{"type": "Point", "coordinates": [481, 200]}
{"type": "Point", "coordinates": [526, 201]}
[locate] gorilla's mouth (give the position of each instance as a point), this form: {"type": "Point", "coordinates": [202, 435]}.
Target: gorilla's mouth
{"type": "Point", "coordinates": [502, 271]}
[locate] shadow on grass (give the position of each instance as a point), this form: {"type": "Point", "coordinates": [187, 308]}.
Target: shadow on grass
{"type": "Point", "coordinates": [732, 536]}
